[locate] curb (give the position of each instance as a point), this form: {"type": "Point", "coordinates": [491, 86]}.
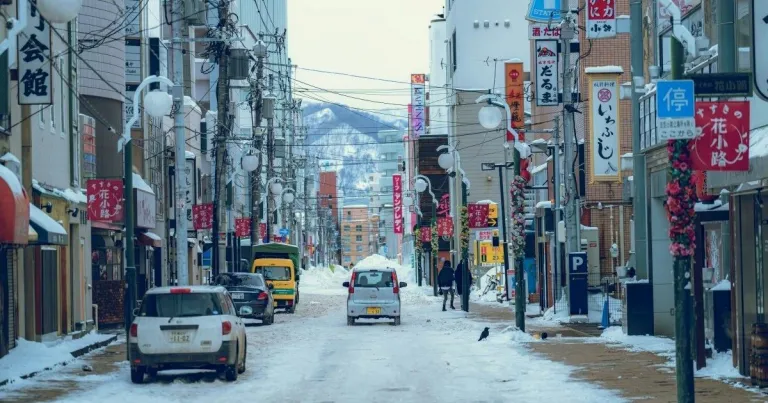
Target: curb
{"type": "Point", "coordinates": [75, 354]}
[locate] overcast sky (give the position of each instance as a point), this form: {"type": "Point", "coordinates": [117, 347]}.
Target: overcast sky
{"type": "Point", "coordinates": [384, 39]}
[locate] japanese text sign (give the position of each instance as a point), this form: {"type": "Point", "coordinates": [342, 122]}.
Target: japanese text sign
{"type": "Point", "coordinates": [105, 200]}
{"type": "Point", "coordinates": [242, 227]}
{"type": "Point", "coordinates": [190, 187]}
{"type": "Point", "coordinates": [426, 234]}
{"type": "Point", "coordinates": [34, 60]}
{"type": "Point", "coordinates": [488, 254]}
{"type": "Point", "coordinates": [722, 143]}
{"type": "Point", "coordinates": [397, 201]}
{"type": "Point", "coordinates": [262, 230]}
{"type": "Point", "coordinates": [513, 77]}
{"type": "Point", "coordinates": [444, 205]}
{"type": "Point", "coordinates": [546, 73]}
{"type": "Point", "coordinates": [543, 31]}
{"type": "Point", "coordinates": [418, 107]}
{"type": "Point", "coordinates": [478, 215]}
{"type": "Point", "coordinates": [445, 226]}
{"type": "Point", "coordinates": [601, 19]}
{"type": "Point", "coordinates": [202, 216]}
{"type": "Point", "coordinates": [605, 130]}
{"type": "Point", "coordinates": [485, 235]}
{"type": "Point", "coordinates": [674, 109]}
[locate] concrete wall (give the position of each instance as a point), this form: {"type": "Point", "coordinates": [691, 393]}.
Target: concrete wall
{"type": "Point", "coordinates": [108, 60]}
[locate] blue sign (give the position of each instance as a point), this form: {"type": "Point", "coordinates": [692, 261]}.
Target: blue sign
{"type": "Point", "coordinates": [544, 11]}
{"type": "Point", "coordinates": [284, 232]}
{"type": "Point", "coordinates": [674, 99]}
{"type": "Point", "coordinates": [577, 263]}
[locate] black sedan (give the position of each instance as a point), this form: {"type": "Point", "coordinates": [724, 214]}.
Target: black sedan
{"type": "Point", "coordinates": [251, 295]}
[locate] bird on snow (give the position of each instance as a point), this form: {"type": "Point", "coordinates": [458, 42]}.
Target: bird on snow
{"type": "Point", "coordinates": [483, 335]}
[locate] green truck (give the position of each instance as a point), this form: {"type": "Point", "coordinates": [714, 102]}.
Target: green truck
{"type": "Point", "coordinates": [279, 264]}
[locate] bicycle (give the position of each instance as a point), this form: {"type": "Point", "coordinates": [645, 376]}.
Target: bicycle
{"type": "Point", "coordinates": [493, 284]}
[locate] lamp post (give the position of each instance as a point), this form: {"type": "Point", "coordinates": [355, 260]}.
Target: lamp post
{"type": "Point", "coordinates": [251, 162]}
{"type": "Point", "coordinates": [275, 187]}
{"type": "Point", "coordinates": [157, 104]}
{"type": "Point", "coordinates": [448, 161]}
{"type": "Point", "coordinates": [490, 118]}
{"type": "Point", "coordinates": [286, 195]}
{"type": "Point", "coordinates": [423, 184]}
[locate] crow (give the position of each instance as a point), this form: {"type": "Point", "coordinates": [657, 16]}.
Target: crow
{"type": "Point", "coordinates": [483, 335]}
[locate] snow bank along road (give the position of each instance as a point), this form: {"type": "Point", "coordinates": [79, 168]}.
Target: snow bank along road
{"type": "Point", "coordinates": [314, 356]}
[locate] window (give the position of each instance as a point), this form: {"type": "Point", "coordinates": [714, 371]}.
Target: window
{"type": "Point", "coordinates": [346, 228]}
{"type": "Point", "coordinates": [347, 259]}
{"type": "Point", "coordinates": [278, 273]}
{"type": "Point", "coordinates": [359, 238]}
{"type": "Point", "coordinates": [359, 248]}
{"type": "Point", "coordinates": [358, 228]}
{"type": "Point", "coordinates": [374, 278]}
{"type": "Point", "coordinates": [347, 248]}
{"type": "Point", "coordinates": [181, 305]}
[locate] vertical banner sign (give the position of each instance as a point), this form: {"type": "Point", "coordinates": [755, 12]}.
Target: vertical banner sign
{"type": "Point", "coordinates": [722, 142]}
{"type": "Point", "coordinates": [605, 134]}
{"type": "Point", "coordinates": [513, 77]}
{"type": "Point", "coordinates": [243, 227]}
{"type": "Point", "coordinates": [262, 230]}
{"type": "Point", "coordinates": [760, 41]}
{"type": "Point", "coordinates": [478, 215]}
{"type": "Point", "coordinates": [601, 19]}
{"type": "Point", "coordinates": [426, 234]}
{"type": "Point", "coordinates": [547, 73]}
{"type": "Point", "coordinates": [203, 216]}
{"type": "Point", "coordinates": [397, 201]}
{"type": "Point", "coordinates": [418, 107]}
{"type": "Point", "coordinates": [190, 190]}
{"type": "Point", "coordinates": [34, 60]}
{"type": "Point", "coordinates": [105, 200]}
{"type": "Point", "coordinates": [445, 226]}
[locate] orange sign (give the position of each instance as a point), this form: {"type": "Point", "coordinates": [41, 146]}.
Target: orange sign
{"type": "Point", "coordinates": [418, 78]}
{"type": "Point", "coordinates": [513, 78]}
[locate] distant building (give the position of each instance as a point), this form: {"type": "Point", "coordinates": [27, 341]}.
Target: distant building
{"type": "Point", "coordinates": [356, 228]}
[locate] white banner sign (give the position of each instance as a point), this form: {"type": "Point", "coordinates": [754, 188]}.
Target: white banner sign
{"type": "Point", "coordinates": [601, 19]}
{"type": "Point", "coordinates": [133, 61]}
{"type": "Point", "coordinates": [418, 110]}
{"type": "Point", "coordinates": [605, 130]}
{"type": "Point", "coordinates": [146, 209]}
{"type": "Point", "coordinates": [34, 54]}
{"type": "Point", "coordinates": [546, 73]}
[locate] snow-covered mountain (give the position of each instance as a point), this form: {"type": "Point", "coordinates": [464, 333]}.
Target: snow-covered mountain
{"type": "Point", "coordinates": [347, 140]}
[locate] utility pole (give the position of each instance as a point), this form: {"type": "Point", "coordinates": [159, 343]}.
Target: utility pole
{"type": "Point", "coordinates": [572, 214]}
{"type": "Point", "coordinates": [306, 203]}
{"type": "Point", "coordinates": [182, 266]}
{"type": "Point", "coordinates": [257, 105]}
{"type": "Point", "coordinates": [556, 209]}
{"type": "Point", "coordinates": [222, 128]}
{"type": "Point", "coordinates": [270, 161]}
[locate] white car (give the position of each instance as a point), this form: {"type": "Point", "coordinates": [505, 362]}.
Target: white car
{"type": "Point", "coordinates": [193, 327]}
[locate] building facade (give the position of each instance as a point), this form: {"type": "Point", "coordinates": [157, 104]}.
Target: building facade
{"type": "Point", "coordinates": [356, 229]}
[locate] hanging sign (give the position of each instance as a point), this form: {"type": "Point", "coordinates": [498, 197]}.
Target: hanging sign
{"type": "Point", "coordinates": [601, 19]}
{"type": "Point", "coordinates": [722, 141]}
{"type": "Point", "coordinates": [417, 110]}
{"type": "Point", "coordinates": [203, 216]}
{"type": "Point", "coordinates": [34, 60]}
{"type": "Point", "coordinates": [426, 234]}
{"type": "Point", "coordinates": [760, 41]}
{"type": "Point", "coordinates": [513, 77]}
{"type": "Point", "coordinates": [478, 215]}
{"type": "Point", "coordinates": [262, 230]}
{"type": "Point", "coordinates": [445, 226]}
{"type": "Point", "coordinates": [105, 200]}
{"type": "Point", "coordinates": [397, 198]}
{"type": "Point", "coordinates": [546, 73]}
{"type": "Point", "coordinates": [243, 227]}
{"type": "Point", "coordinates": [190, 189]}
{"type": "Point", "coordinates": [605, 132]}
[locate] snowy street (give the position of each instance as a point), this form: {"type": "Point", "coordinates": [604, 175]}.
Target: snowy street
{"type": "Point", "coordinates": [313, 356]}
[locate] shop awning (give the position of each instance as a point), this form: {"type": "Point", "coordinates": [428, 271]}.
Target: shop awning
{"type": "Point", "coordinates": [150, 239]}
{"type": "Point", "coordinates": [14, 209]}
{"type": "Point", "coordinates": [49, 232]}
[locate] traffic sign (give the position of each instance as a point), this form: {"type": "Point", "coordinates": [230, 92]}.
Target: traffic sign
{"type": "Point", "coordinates": [675, 108]}
{"type": "Point", "coordinates": [760, 41]}
{"type": "Point", "coordinates": [284, 232]}
{"type": "Point", "coordinates": [493, 211]}
{"type": "Point", "coordinates": [492, 222]}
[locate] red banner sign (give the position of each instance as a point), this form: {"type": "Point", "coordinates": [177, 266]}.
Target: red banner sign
{"type": "Point", "coordinates": [445, 226]}
{"type": "Point", "coordinates": [722, 143]}
{"type": "Point", "coordinates": [105, 200]}
{"type": "Point", "coordinates": [202, 216]}
{"type": "Point", "coordinates": [426, 234]}
{"type": "Point", "coordinates": [262, 230]}
{"type": "Point", "coordinates": [397, 198]}
{"type": "Point", "coordinates": [242, 227]}
{"type": "Point", "coordinates": [478, 215]}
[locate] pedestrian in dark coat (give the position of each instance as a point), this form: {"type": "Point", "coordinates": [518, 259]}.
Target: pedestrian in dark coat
{"type": "Point", "coordinates": [459, 278]}
{"type": "Point", "coordinates": [445, 282]}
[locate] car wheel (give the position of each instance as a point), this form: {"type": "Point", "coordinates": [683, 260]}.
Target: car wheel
{"type": "Point", "coordinates": [137, 375]}
{"type": "Point", "coordinates": [270, 319]}
{"type": "Point", "coordinates": [292, 309]}
{"type": "Point", "coordinates": [350, 320]}
{"type": "Point", "coordinates": [397, 321]}
{"type": "Point", "coordinates": [245, 354]}
{"type": "Point", "coordinates": [152, 372]}
{"type": "Point", "coordinates": [231, 371]}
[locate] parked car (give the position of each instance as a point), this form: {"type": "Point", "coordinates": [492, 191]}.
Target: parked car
{"type": "Point", "coordinates": [373, 294]}
{"type": "Point", "coordinates": [251, 295]}
{"type": "Point", "coordinates": [187, 328]}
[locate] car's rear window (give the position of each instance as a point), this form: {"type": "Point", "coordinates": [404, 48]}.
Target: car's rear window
{"type": "Point", "coordinates": [374, 278]}
{"type": "Point", "coordinates": [181, 305]}
{"type": "Point", "coordinates": [240, 279]}
{"type": "Point", "coordinates": [278, 273]}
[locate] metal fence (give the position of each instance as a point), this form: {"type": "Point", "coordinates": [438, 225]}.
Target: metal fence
{"type": "Point", "coordinates": [604, 297]}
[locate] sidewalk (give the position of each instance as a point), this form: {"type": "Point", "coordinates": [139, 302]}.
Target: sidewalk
{"type": "Point", "coordinates": [637, 375]}
{"type": "Point", "coordinates": [29, 359]}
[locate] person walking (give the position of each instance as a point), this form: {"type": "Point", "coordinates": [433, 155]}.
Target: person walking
{"type": "Point", "coordinates": [445, 282]}
{"type": "Point", "coordinates": [459, 278]}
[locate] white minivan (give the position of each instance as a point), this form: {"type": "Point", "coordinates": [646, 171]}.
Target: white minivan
{"type": "Point", "coordinates": [373, 294]}
{"type": "Point", "coordinates": [193, 327]}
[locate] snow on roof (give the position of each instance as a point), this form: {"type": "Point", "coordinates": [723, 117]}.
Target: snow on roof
{"type": "Point", "coordinates": [8, 157]}
{"type": "Point", "coordinates": [138, 183]}
{"type": "Point", "coordinates": [44, 221]}
{"type": "Point", "coordinates": [723, 285]}
{"type": "Point", "coordinates": [539, 168]}
{"type": "Point", "coordinates": [356, 206]}
{"type": "Point", "coordinates": [190, 102]}
{"type": "Point", "coordinates": [539, 141]}
{"type": "Point", "coordinates": [10, 178]}
{"type": "Point", "coordinates": [758, 139]}
{"type": "Point", "coordinates": [716, 206]}
{"type": "Point", "coordinates": [544, 204]}
{"type": "Point", "coordinates": [76, 196]}
{"type": "Point", "coordinates": [189, 155]}
{"type": "Point", "coordinates": [604, 69]}
{"type": "Point", "coordinates": [584, 227]}
{"type": "Point", "coordinates": [486, 202]}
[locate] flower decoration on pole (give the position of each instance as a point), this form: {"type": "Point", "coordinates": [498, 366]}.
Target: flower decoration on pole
{"type": "Point", "coordinates": [681, 200]}
{"type": "Point", "coordinates": [417, 244]}
{"type": "Point", "coordinates": [464, 230]}
{"type": "Point", "coordinates": [435, 245]}
{"type": "Point", "coordinates": [518, 216]}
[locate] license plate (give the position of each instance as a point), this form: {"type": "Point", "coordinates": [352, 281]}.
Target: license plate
{"type": "Point", "coordinates": [238, 295]}
{"type": "Point", "coordinates": [374, 311]}
{"type": "Point", "coordinates": [179, 337]}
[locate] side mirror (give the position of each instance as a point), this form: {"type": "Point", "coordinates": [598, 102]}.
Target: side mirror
{"type": "Point", "coordinates": [135, 312]}
{"type": "Point", "coordinates": [345, 284]}
{"type": "Point", "coordinates": [270, 286]}
{"type": "Point", "coordinates": [403, 284]}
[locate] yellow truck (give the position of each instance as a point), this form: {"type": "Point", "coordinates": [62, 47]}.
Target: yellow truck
{"type": "Point", "coordinates": [279, 264]}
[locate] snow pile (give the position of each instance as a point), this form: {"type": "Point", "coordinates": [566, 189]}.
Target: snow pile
{"type": "Point", "coordinates": [720, 366]}
{"type": "Point", "coordinates": [556, 316]}
{"type": "Point", "coordinates": [29, 356]}
{"type": "Point", "coordinates": [404, 273]}
{"type": "Point", "coordinates": [653, 344]}
{"type": "Point", "coordinates": [319, 279]}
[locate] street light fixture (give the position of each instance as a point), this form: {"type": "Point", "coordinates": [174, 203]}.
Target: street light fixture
{"type": "Point", "coordinates": [275, 187]}
{"type": "Point", "coordinates": [59, 11]}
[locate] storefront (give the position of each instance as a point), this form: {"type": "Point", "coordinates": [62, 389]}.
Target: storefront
{"type": "Point", "coordinates": [148, 246]}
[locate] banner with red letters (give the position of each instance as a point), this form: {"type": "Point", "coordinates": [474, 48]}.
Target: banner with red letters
{"type": "Point", "coordinates": [445, 226]}
{"type": "Point", "coordinates": [397, 198]}
{"type": "Point", "coordinates": [242, 227]}
{"type": "Point", "coordinates": [262, 230]}
{"type": "Point", "coordinates": [202, 216]}
{"type": "Point", "coordinates": [426, 234]}
{"type": "Point", "coordinates": [478, 215]}
{"type": "Point", "coordinates": [105, 200]}
{"type": "Point", "coordinates": [722, 141]}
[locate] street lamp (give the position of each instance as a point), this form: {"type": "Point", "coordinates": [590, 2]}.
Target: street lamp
{"type": "Point", "coordinates": [275, 187]}
{"type": "Point", "coordinates": [59, 11]}
{"type": "Point", "coordinates": [285, 195]}
{"type": "Point", "coordinates": [156, 104]}
{"type": "Point", "coordinates": [422, 185]}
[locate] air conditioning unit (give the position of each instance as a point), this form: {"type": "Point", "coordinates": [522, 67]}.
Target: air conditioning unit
{"type": "Point", "coordinates": [194, 12]}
